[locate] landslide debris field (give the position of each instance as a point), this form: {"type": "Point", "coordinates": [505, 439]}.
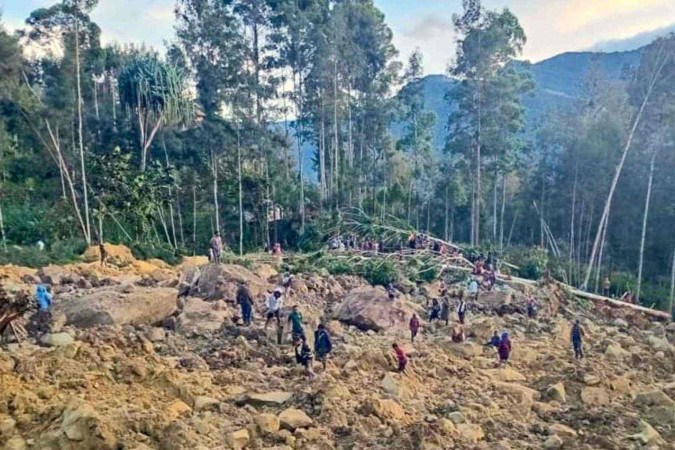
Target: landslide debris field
{"type": "Point", "coordinates": [127, 364]}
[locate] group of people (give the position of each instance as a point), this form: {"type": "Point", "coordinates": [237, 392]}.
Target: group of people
{"type": "Point", "coordinates": [274, 311]}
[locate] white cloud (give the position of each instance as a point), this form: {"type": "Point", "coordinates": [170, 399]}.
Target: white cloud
{"type": "Point", "coordinates": [434, 36]}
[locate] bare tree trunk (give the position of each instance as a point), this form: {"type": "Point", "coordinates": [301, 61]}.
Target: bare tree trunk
{"type": "Point", "coordinates": [2, 228]}
{"type": "Point", "coordinates": [447, 212]}
{"type": "Point", "coordinates": [214, 170]}
{"type": "Point", "coordinates": [322, 152]}
{"type": "Point", "coordinates": [600, 255]}
{"type": "Point", "coordinates": [494, 208]}
{"type": "Point", "coordinates": [672, 286]}
{"type": "Point", "coordinates": [574, 203]}
{"type": "Point", "coordinates": [644, 226]}
{"type": "Point", "coordinates": [478, 171]}
{"type": "Point", "coordinates": [80, 133]}
{"type": "Point", "coordinates": [241, 197]}
{"type": "Point", "coordinates": [336, 143]}
{"type": "Point", "coordinates": [619, 168]}
{"type": "Point", "coordinates": [501, 218]}
{"type": "Point", "coordinates": [194, 216]}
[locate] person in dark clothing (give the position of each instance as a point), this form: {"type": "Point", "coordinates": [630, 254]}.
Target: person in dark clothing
{"type": "Point", "coordinates": [303, 355]}
{"type": "Point", "coordinates": [322, 344]}
{"type": "Point", "coordinates": [295, 319]}
{"type": "Point", "coordinates": [445, 311]}
{"type": "Point", "coordinates": [494, 341]}
{"type": "Point", "coordinates": [577, 334]}
{"type": "Point", "coordinates": [461, 308]}
{"type": "Point", "coordinates": [434, 311]}
{"type": "Point", "coordinates": [400, 357]}
{"type": "Point", "coordinates": [414, 326]}
{"type": "Point", "coordinates": [103, 254]}
{"type": "Point", "coordinates": [504, 349]}
{"type": "Point", "coordinates": [245, 301]}
{"type": "Point", "coordinates": [531, 308]}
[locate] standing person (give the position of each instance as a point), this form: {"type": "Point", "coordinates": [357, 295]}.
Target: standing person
{"type": "Point", "coordinates": [43, 298]}
{"type": "Point", "coordinates": [445, 310]}
{"type": "Point", "coordinates": [473, 289]}
{"type": "Point", "coordinates": [434, 311]}
{"type": "Point", "coordinates": [295, 319]}
{"type": "Point", "coordinates": [627, 296]}
{"type": "Point", "coordinates": [605, 286]}
{"type": "Point", "coordinates": [577, 334]}
{"type": "Point", "coordinates": [414, 326]}
{"type": "Point", "coordinates": [461, 308]}
{"type": "Point", "coordinates": [287, 282]}
{"type": "Point", "coordinates": [303, 355]}
{"type": "Point", "coordinates": [322, 344]}
{"type": "Point", "coordinates": [274, 303]}
{"type": "Point", "coordinates": [103, 254]}
{"type": "Point", "coordinates": [401, 357]}
{"type": "Point", "coordinates": [504, 349]}
{"type": "Point", "coordinates": [245, 301]}
{"type": "Point", "coordinates": [531, 308]}
{"type": "Point", "coordinates": [216, 245]}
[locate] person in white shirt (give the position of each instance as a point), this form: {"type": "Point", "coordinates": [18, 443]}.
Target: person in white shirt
{"type": "Point", "coordinates": [274, 304]}
{"type": "Point", "coordinates": [473, 289]}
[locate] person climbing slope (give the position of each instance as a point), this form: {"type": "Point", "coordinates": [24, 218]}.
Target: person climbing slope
{"type": "Point", "coordinates": [245, 302]}
{"type": "Point", "coordinates": [445, 311]}
{"type": "Point", "coordinates": [303, 355]}
{"type": "Point", "coordinates": [434, 311]}
{"type": "Point", "coordinates": [274, 303]}
{"type": "Point", "coordinates": [414, 326]}
{"type": "Point", "coordinates": [494, 341]}
{"type": "Point", "coordinates": [531, 308]}
{"type": "Point", "coordinates": [295, 319]}
{"type": "Point", "coordinates": [504, 349]}
{"type": "Point", "coordinates": [322, 344]}
{"type": "Point", "coordinates": [577, 335]}
{"type": "Point", "coordinates": [461, 308]}
{"type": "Point", "coordinates": [43, 298]}
{"type": "Point", "coordinates": [473, 289]}
{"type": "Point", "coordinates": [401, 357]}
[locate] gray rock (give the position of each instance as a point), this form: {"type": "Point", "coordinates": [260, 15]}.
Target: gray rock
{"type": "Point", "coordinates": [56, 339]}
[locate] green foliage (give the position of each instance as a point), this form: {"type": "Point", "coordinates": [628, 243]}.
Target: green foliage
{"type": "Point", "coordinates": [60, 252]}
{"type": "Point", "coordinates": [532, 262]}
{"type": "Point", "coordinates": [144, 250]}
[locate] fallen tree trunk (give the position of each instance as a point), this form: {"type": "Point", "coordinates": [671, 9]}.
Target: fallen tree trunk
{"type": "Point", "coordinates": [576, 292]}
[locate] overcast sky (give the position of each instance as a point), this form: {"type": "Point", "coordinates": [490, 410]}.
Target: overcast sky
{"type": "Point", "coordinates": [551, 26]}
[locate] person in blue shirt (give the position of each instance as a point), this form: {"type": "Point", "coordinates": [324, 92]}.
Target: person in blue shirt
{"type": "Point", "coordinates": [43, 298]}
{"type": "Point", "coordinates": [494, 342]}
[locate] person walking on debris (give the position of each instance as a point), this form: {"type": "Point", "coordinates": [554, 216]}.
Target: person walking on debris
{"type": "Point", "coordinates": [494, 341]}
{"type": "Point", "coordinates": [43, 298]}
{"type": "Point", "coordinates": [504, 349]}
{"type": "Point", "coordinates": [473, 289]}
{"type": "Point", "coordinates": [414, 326]}
{"type": "Point", "coordinates": [287, 282]}
{"type": "Point", "coordinates": [531, 308]}
{"type": "Point", "coordinates": [103, 254]}
{"type": "Point", "coordinates": [216, 245]}
{"type": "Point", "coordinates": [322, 344]}
{"type": "Point", "coordinates": [461, 308]}
{"type": "Point", "coordinates": [577, 334]}
{"type": "Point", "coordinates": [434, 311]}
{"type": "Point", "coordinates": [445, 311]}
{"type": "Point", "coordinates": [245, 301]}
{"type": "Point", "coordinates": [295, 319]}
{"type": "Point", "coordinates": [303, 355]}
{"type": "Point", "coordinates": [457, 333]}
{"type": "Point", "coordinates": [274, 303]}
{"type": "Point", "coordinates": [401, 357]}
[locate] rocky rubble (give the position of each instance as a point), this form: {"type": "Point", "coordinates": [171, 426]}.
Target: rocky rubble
{"type": "Point", "coordinates": [209, 383]}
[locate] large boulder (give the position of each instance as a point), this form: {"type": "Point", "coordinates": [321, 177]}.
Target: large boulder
{"type": "Point", "coordinates": [219, 281]}
{"type": "Point", "coordinates": [111, 307]}
{"type": "Point", "coordinates": [369, 308]}
{"type": "Point", "coordinates": [57, 275]}
{"type": "Point", "coordinates": [198, 315]}
{"type": "Point", "coordinates": [117, 255]}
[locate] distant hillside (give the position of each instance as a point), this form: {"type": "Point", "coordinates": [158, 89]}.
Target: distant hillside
{"type": "Point", "coordinates": [559, 84]}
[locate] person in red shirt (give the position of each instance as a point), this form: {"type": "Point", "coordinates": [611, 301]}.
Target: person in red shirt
{"type": "Point", "coordinates": [414, 327]}
{"type": "Point", "coordinates": [504, 349]}
{"type": "Point", "coordinates": [400, 357]}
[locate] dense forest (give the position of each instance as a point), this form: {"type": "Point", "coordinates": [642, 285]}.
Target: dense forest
{"type": "Point", "coordinates": [158, 148]}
